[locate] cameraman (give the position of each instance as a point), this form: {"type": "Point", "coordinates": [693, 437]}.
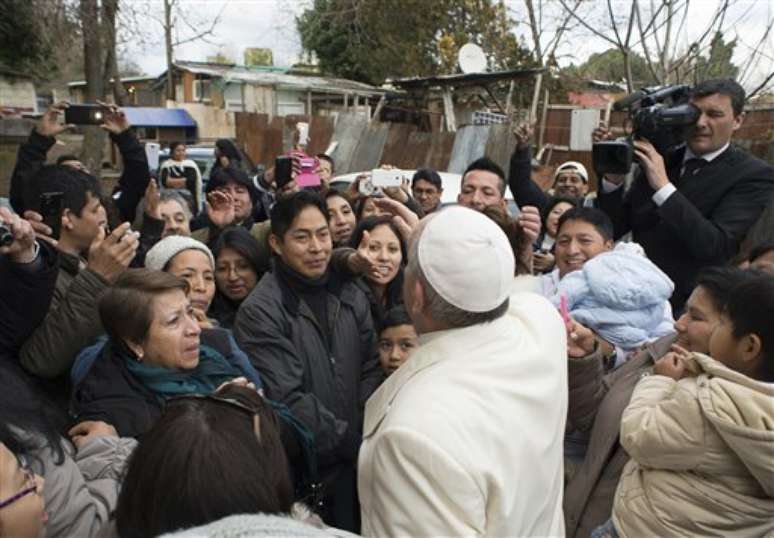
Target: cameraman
{"type": "Point", "coordinates": [691, 208]}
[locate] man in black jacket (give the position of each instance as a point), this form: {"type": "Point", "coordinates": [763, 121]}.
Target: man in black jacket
{"type": "Point", "coordinates": [692, 208]}
{"type": "Point", "coordinates": [32, 156]}
{"type": "Point", "coordinates": [310, 335]}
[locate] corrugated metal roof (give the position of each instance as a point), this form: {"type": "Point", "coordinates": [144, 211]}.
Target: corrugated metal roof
{"type": "Point", "coordinates": [158, 117]}
{"type": "Point", "coordinates": [123, 79]}
{"type": "Point", "coordinates": [278, 78]}
{"type": "Point", "coordinates": [470, 79]}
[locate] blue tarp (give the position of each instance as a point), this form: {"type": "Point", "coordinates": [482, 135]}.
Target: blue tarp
{"type": "Point", "coordinates": [159, 117]}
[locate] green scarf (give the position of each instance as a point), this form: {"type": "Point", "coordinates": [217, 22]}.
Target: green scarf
{"type": "Point", "coordinates": [212, 370]}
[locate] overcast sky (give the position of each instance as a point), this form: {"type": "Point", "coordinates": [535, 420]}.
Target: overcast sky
{"type": "Point", "coordinates": [271, 24]}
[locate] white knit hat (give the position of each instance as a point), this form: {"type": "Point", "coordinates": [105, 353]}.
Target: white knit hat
{"type": "Point", "coordinates": [467, 259]}
{"type": "Point", "coordinates": [572, 166]}
{"type": "Point", "coordinates": [158, 257]}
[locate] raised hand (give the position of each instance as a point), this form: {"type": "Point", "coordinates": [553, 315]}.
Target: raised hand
{"type": "Point", "coordinates": [49, 123]}
{"type": "Point", "coordinates": [42, 231]}
{"type": "Point", "coordinates": [152, 199]}
{"type": "Point", "coordinates": [529, 220]}
{"type": "Point", "coordinates": [22, 248]}
{"type": "Point", "coordinates": [601, 133]}
{"type": "Point", "coordinates": [360, 261]}
{"type": "Point", "coordinates": [110, 256]}
{"type": "Point", "coordinates": [220, 209]}
{"type": "Point", "coordinates": [523, 133]}
{"type": "Point", "coordinates": [405, 219]}
{"type": "Point", "coordinates": [114, 119]}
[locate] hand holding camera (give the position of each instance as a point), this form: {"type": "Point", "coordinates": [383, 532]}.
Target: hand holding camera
{"type": "Point", "coordinates": [110, 256]}
{"type": "Point", "coordinates": [17, 237]}
{"type": "Point", "coordinates": [49, 123]}
{"type": "Point", "coordinates": [652, 163]}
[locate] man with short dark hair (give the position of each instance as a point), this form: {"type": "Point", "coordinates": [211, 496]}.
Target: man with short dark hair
{"type": "Point", "coordinates": [483, 184]}
{"type": "Point", "coordinates": [582, 234]}
{"type": "Point", "coordinates": [89, 262]}
{"type": "Point", "coordinates": [438, 455]}
{"type": "Point", "coordinates": [309, 333]}
{"type": "Point", "coordinates": [427, 188]}
{"type": "Point", "coordinates": [692, 208]}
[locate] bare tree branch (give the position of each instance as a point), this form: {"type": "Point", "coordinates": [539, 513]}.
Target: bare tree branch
{"type": "Point", "coordinates": [586, 25]}
{"type": "Point", "coordinates": [763, 86]}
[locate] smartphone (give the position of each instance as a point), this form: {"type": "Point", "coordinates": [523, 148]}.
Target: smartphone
{"type": "Point", "coordinates": [307, 177]}
{"type": "Point", "coordinates": [51, 211]}
{"type": "Point", "coordinates": [283, 171]}
{"type": "Point", "coordinates": [386, 178]}
{"type": "Point", "coordinates": [84, 114]}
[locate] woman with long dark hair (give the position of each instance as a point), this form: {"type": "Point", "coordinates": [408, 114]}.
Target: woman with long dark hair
{"type": "Point", "coordinates": [237, 271]}
{"type": "Point", "coordinates": [379, 240]}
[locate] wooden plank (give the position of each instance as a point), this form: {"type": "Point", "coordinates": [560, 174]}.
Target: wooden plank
{"type": "Point", "coordinates": [251, 130]}
{"type": "Point", "coordinates": [320, 134]}
{"type": "Point", "coordinates": [368, 153]}
{"type": "Point", "coordinates": [469, 145]}
{"type": "Point", "coordinates": [397, 139]}
{"type": "Point", "coordinates": [439, 155]}
{"type": "Point", "coordinates": [416, 152]}
{"type": "Point", "coordinates": [348, 131]}
{"type": "Point", "coordinates": [500, 145]}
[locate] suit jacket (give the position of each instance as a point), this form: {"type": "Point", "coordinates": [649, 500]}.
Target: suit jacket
{"type": "Point", "coordinates": [465, 438]}
{"type": "Point", "coordinates": [700, 225]}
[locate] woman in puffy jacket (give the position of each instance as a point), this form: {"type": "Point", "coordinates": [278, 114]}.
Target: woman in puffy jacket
{"type": "Point", "coordinates": [700, 432]}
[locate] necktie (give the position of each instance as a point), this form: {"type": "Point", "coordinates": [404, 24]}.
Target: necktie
{"type": "Point", "coordinates": [692, 166]}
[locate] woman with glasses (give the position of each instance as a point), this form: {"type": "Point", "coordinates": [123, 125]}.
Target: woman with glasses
{"type": "Point", "coordinates": [82, 476]}
{"type": "Point", "coordinates": [238, 263]}
{"type": "Point", "coordinates": [173, 482]}
{"type": "Point", "coordinates": [22, 512]}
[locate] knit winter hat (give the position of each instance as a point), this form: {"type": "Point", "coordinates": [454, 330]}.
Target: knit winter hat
{"type": "Point", "coordinates": [162, 252]}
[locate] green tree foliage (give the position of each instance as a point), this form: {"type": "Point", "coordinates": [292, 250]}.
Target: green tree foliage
{"type": "Point", "coordinates": [609, 66]}
{"type": "Point", "coordinates": [40, 38]}
{"type": "Point", "coordinates": [718, 64]}
{"type": "Point", "coordinates": [23, 43]}
{"type": "Point", "coordinates": [370, 40]}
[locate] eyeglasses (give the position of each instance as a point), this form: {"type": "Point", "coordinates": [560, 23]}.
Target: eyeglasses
{"type": "Point", "coordinates": [29, 478]}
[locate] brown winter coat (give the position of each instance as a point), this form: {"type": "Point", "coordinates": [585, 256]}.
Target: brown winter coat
{"type": "Point", "coordinates": [596, 404]}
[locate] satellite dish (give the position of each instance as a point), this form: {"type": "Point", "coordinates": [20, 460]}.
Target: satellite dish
{"type": "Point", "coordinates": [471, 59]}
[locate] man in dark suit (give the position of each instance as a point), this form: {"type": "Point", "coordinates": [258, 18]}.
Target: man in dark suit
{"type": "Point", "coordinates": [693, 207]}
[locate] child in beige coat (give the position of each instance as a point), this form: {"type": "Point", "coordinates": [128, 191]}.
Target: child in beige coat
{"type": "Point", "coordinates": [700, 433]}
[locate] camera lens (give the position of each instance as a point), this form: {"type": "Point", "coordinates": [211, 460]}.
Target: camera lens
{"type": "Point", "coordinates": [6, 237]}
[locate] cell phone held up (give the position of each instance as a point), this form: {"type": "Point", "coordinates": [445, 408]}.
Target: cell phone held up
{"type": "Point", "coordinates": [84, 114]}
{"type": "Point", "coordinates": [283, 171]}
{"type": "Point", "coordinates": [51, 211]}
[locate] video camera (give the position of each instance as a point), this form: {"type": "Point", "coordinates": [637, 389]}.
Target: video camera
{"type": "Point", "coordinates": [660, 116]}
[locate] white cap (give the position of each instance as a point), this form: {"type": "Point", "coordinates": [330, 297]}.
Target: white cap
{"type": "Point", "coordinates": [467, 259]}
{"type": "Point", "coordinates": [572, 166]}
{"type": "Point", "coordinates": [162, 252]}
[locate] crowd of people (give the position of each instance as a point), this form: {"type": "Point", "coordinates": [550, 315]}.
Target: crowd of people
{"type": "Point", "coordinates": [241, 359]}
